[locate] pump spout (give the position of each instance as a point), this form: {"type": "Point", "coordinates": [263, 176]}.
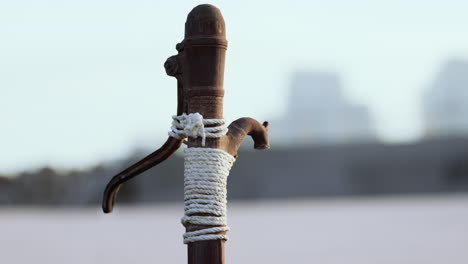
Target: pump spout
{"type": "Point", "coordinates": [242, 127]}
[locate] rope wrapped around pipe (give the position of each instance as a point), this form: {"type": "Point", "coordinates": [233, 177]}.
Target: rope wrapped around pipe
{"type": "Point", "coordinates": [205, 178]}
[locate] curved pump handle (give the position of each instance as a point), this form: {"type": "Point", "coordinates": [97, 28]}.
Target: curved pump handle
{"type": "Point", "coordinates": [165, 151]}
{"type": "Point", "coordinates": [150, 161]}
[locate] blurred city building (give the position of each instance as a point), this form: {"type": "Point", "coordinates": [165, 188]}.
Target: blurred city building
{"type": "Point", "coordinates": [445, 102]}
{"type": "Point", "coordinates": [319, 113]}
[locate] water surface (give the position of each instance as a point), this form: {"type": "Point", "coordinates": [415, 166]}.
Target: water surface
{"type": "Point", "coordinates": [400, 230]}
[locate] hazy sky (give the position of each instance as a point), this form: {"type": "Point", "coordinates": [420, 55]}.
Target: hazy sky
{"type": "Point", "coordinates": [83, 81]}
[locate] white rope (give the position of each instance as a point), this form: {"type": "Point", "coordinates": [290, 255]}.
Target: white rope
{"type": "Point", "coordinates": [193, 125]}
{"type": "Point", "coordinates": [205, 178]}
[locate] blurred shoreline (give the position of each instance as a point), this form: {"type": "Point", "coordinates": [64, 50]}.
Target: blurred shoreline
{"type": "Point", "coordinates": [372, 169]}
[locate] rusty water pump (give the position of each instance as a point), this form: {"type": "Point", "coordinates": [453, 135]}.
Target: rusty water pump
{"type": "Point", "coordinates": [199, 70]}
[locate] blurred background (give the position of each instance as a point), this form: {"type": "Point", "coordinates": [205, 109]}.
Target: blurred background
{"type": "Point", "coordinates": [368, 109]}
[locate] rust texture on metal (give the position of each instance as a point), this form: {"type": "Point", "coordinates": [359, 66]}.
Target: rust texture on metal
{"type": "Point", "coordinates": [199, 70]}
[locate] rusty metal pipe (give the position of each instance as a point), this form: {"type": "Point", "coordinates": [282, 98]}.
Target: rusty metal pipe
{"type": "Point", "coordinates": [199, 70]}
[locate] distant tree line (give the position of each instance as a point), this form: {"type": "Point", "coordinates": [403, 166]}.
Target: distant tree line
{"type": "Point", "coordinates": [357, 169]}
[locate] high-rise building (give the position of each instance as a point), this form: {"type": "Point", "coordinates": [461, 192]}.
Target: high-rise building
{"type": "Point", "coordinates": [319, 113]}
{"type": "Point", "coordinates": [445, 102]}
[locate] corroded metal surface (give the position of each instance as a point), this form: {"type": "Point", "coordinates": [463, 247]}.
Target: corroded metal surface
{"type": "Point", "coordinates": [199, 70]}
